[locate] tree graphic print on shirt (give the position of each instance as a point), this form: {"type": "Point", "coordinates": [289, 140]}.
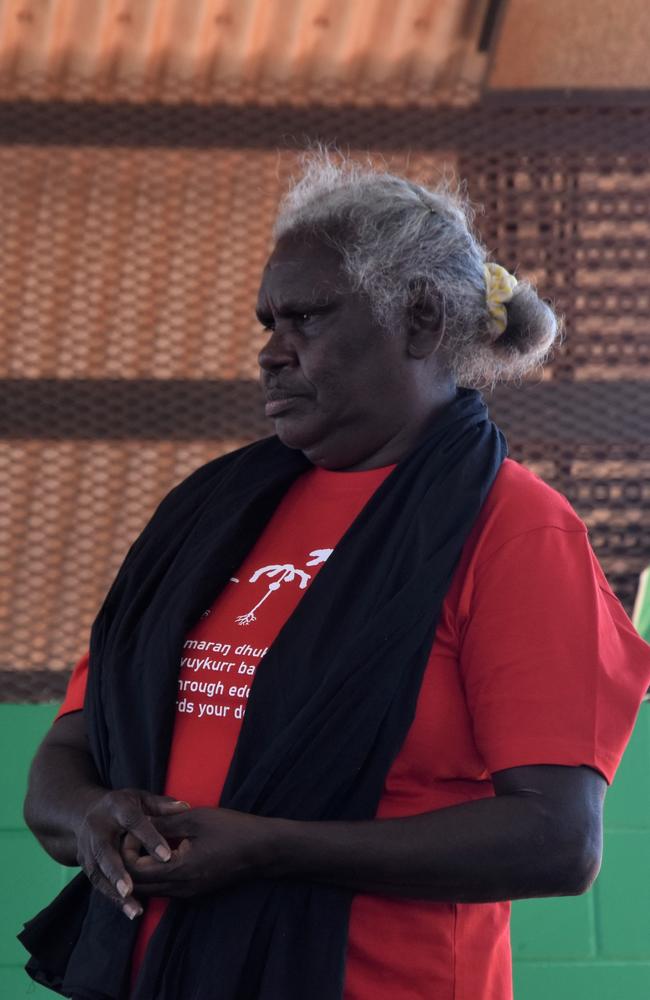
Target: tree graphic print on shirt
{"type": "Point", "coordinates": [285, 573]}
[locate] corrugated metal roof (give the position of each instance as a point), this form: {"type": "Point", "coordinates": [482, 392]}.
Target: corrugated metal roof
{"type": "Point", "coordinates": [298, 51]}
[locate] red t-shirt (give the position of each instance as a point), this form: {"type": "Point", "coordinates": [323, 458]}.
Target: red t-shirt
{"type": "Point", "coordinates": [534, 662]}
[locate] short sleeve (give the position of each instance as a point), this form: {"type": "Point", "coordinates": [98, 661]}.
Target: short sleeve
{"type": "Point", "coordinates": [76, 690]}
{"type": "Point", "coordinates": [554, 672]}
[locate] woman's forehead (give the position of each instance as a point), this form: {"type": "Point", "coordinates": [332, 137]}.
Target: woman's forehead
{"type": "Point", "coordinates": [301, 249]}
{"type": "Point", "coordinates": [302, 266]}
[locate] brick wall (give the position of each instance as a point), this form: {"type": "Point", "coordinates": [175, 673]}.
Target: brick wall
{"type": "Point", "coordinates": [592, 947]}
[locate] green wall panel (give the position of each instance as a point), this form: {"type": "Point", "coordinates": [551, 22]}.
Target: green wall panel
{"type": "Point", "coordinates": [541, 928]}
{"type": "Point", "coordinates": [31, 878]}
{"type": "Point", "coordinates": [22, 728]}
{"type": "Point", "coordinates": [581, 981]}
{"type": "Point", "coordinates": [623, 895]}
{"type": "Point", "coordinates": [628, 801]}
{"type": "Point", "coordinates": [26, 885]}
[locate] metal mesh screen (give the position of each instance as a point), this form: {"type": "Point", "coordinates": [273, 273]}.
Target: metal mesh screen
{"type": "Point", "coordinates": [131, 242]}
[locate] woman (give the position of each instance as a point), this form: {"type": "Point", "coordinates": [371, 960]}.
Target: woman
{"type": "Point", "coordinates": [446, 681]}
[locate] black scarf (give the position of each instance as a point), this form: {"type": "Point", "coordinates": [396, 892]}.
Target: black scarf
{"type": "Point", "coordinates": [328, 711]}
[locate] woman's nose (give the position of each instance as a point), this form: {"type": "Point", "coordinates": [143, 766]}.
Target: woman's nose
{"type": "Point", "coordinates": [278, 352]}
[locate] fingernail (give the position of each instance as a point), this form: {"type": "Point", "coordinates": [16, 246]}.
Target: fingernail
{"type": "Point", "coordinates": [180, 802]}
{"type": "Point", "coordinates": [163, 853]}
{"type": "Point", "coordinates": [132, 910]}
{"type": "Point", "coordinates": [122, 888]}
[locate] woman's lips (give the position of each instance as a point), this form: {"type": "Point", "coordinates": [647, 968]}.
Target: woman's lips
{"type": "Point", "coordinates": [275, 406]}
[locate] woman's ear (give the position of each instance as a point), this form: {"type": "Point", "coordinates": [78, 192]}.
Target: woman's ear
{"type": "Point", "coordinates": [425, 323]}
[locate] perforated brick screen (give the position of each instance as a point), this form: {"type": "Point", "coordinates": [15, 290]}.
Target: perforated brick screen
{"type": "Point", "coordinates": [132, 239]}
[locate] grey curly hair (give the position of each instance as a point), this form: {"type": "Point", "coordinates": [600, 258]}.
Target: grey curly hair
{"type": "Point", "coordinates": [407, 246]}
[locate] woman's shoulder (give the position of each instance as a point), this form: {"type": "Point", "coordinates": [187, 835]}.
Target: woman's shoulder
{"type": "Point", "coordinates": [519, 502]}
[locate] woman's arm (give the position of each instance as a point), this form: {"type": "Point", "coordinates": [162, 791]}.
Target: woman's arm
{"type": "Point", "coordinates": [78, 821]}
{"type": "Point", "coordinates": [541, 835]}
{"type": "Point", "coordinates": [63, 784]}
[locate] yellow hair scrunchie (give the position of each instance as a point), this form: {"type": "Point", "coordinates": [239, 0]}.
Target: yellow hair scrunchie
{"type": "Point", "coordinates": [499, 288]}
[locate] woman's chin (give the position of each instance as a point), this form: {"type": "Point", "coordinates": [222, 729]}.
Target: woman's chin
{"type": "Point", "coordinates": [295, 433]}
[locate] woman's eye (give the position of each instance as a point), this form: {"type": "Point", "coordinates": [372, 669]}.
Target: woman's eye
{"type": "Point", "coordinates": [299, 319]}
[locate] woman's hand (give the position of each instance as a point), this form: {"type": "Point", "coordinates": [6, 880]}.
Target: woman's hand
{"type": "Point", "coordinates": [111, 817]}
{"type": "Point", "coordinates": [216, 847]}
{"type": "Point", "coordinates": [80, 822]}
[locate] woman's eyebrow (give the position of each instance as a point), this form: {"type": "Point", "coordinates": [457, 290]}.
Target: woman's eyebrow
{"type": "Point", "coordinates": [294, 307]}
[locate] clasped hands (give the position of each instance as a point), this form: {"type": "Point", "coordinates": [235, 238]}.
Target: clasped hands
{"type": "Point", "coordinates": [133, 844]}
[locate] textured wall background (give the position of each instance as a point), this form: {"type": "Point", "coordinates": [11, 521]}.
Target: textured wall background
{"type": "Point", "coordinates": [131, 243]}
